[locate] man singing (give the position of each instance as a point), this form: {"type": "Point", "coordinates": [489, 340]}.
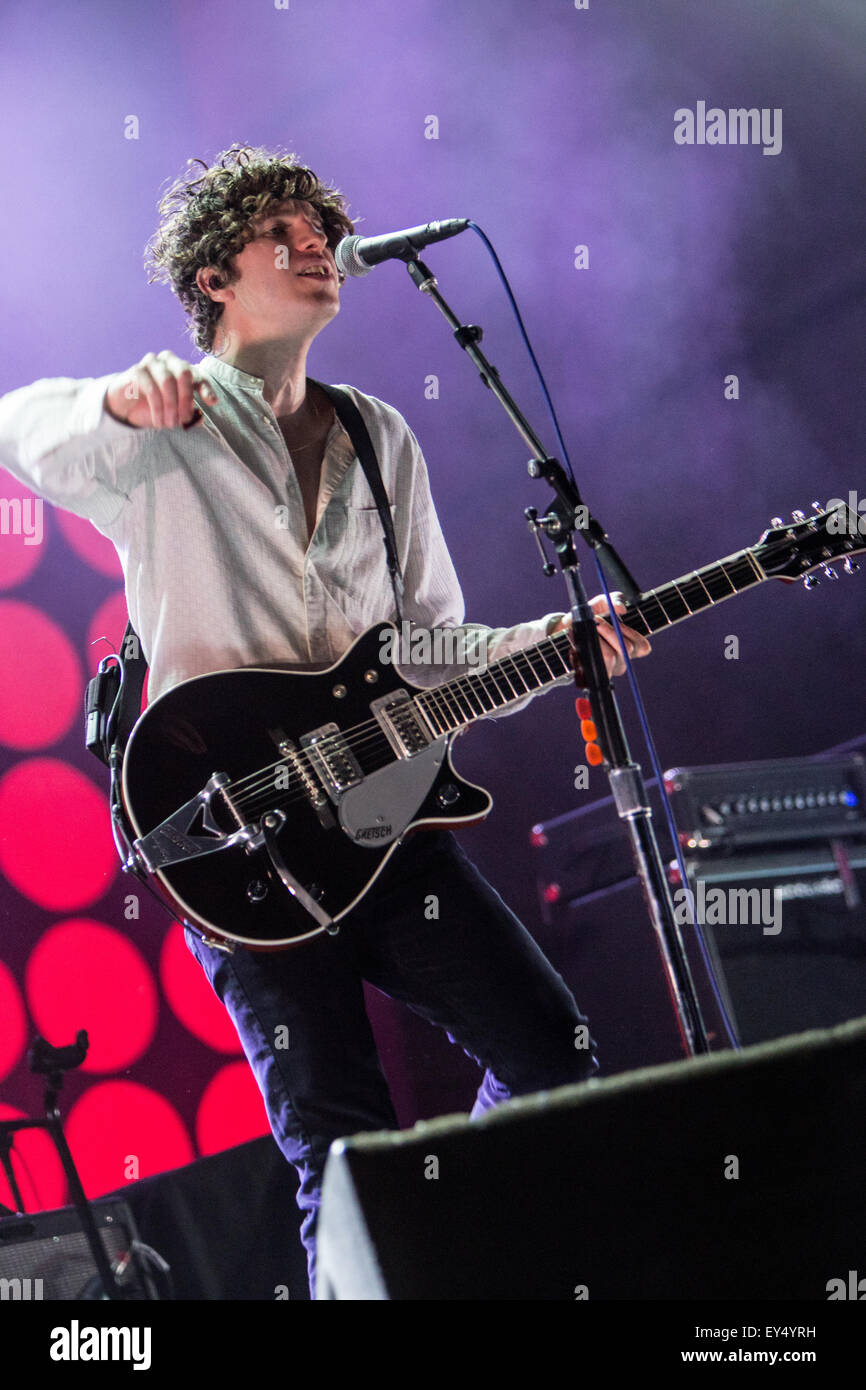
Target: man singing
{"type": "Point", "coordinates": [191, 471]}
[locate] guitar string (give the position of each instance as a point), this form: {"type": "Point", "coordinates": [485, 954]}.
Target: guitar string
{"type": "Point", "coordinates": [448, 694]}
{"type": "Point", "coordinates": [355, 739]}
{"type": "Point", "coordinates": [466, 687]}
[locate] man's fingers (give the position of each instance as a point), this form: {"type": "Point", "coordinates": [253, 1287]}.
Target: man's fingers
{"type": "Point", "coordinates": [167, 386]}
{"type": "Point", "coordinates": [613, 657]}
{"type": "Point", "coordinates": [599, 603]}
{"type": "Point", "coordinates": [636, 646]}
{"type": "Point", "coordinates": [146, 386]}
{"type": "Point", "coordinates": [168, 383]}
{"type": "Point", "coordinates": [185, 399]}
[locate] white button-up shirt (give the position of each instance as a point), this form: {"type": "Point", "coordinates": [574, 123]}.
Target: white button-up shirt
{"type": "Point", "coordinates": [209, 525]}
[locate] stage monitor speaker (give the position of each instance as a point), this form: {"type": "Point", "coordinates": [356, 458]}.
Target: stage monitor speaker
{"type": "Point", "coordinates": [737, 1175]}
{"type": "Point", "coordinates": [796, 958]}
{"type": "Point", "coordinates": [811, 973]}
{"type": "Point", "coordinates": [46, 1256]}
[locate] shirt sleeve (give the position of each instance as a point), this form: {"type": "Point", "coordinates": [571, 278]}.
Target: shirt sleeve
{"type": "Point", "coordinates": [57, 438]}
{"type": "Point", "coordinates": [433, 598]}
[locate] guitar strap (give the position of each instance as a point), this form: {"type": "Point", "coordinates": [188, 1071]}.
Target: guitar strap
{"type": "Point", "coordinates": [352, 421]}
{"type": "Point", "coordinates": [113, 696]}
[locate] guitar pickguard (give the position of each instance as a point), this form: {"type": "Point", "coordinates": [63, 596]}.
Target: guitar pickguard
{"type": "Point", "coordinates": [378, 810]}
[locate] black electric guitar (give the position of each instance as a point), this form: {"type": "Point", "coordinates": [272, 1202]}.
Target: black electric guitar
{"type": "Point", "coordinates": [267, 802]}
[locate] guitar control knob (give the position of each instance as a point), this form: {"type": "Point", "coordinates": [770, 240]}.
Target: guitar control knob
{"type": "Point", "coordinates": [448, 794]}
{"type": "Point", "coordinates": [810, 581]}
{"type": "Point", "coordinates": [257, 890]}
{"type": "Point", "coordinates": [850, 566]}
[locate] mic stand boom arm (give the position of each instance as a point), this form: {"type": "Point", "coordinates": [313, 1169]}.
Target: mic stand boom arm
{"type": "Point", "coordinates": [566, 515]}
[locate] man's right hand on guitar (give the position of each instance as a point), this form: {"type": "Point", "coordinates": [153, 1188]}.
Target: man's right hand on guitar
{"type": "Point", "coordinates": [157, 393]}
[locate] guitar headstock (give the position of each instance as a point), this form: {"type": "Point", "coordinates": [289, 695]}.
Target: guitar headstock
{"type": "Point", "coordinates": [809, 543]}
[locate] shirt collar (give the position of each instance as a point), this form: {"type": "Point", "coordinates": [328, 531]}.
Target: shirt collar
{"type": "Point", "coordinates": [224, 371]}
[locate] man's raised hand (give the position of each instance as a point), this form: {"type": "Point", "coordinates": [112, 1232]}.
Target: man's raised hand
{"type": "Point", "coordinates": [157, 393]}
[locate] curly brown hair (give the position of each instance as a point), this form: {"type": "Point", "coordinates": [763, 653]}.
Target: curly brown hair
{"type": "Point", "coordinates": [205, 221]}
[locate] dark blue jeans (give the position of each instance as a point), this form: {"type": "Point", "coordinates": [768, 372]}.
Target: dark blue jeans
{"type": "Point", "coordinates": [433, 934]}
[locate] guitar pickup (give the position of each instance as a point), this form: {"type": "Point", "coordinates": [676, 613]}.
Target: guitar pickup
{"type": "Point", "coordinates": [332, 759]}
{"type": "Point", "coordinates": [402, 723]}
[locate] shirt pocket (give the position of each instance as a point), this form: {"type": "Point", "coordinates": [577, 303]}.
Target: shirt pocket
{"type": "Point", "coordinates": [355, 570]}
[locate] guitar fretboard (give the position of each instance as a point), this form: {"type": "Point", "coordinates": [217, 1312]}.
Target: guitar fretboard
{"type": "Point", "coordinates": [472, 696]}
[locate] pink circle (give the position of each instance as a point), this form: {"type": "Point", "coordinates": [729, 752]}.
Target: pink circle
{"type": "Point", "coordinates": [55, 835]}
{"type": "Point", "coordinates": [41, 687]}
{"type": "Point", "coordinates": [82, 974]}
{"type": "Point", "coordinates": [231, 1111]}
{"type": "Point", "coordinates": [109, 621]}
{"type": "Point", "coordinates": [36, 1165]}
{"type": "Point", "coordinates": [13, 1034]}
{"type": "Point", "coordinates": [191, 998]}
{"type": "Point", "coordinates": [24, 540]}
{"type": "Point", "coordinates": [120, 1131]}
{"type": "Point", "coordinates": [88, 543]}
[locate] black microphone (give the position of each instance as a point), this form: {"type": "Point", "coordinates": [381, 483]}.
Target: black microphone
{"type": "Point", "coordinates": [356, 255]}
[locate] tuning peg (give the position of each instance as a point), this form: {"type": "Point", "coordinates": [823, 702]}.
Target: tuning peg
{"type": "Point", "coordinates": [850, 566]}
{"type": "Point", "coordinates": [798, 516]}
{"type": "Point", "coordinates": [830, 573]}
{"type": "Point", "coordinates": [816, 507]}
{"type": "Point", "coordinates": [810, 581]}
{"type": "Point", "coordinates": [776, 521]}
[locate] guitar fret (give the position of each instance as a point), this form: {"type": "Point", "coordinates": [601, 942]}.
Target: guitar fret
{"type": "Point", "coordinates": [515, 666]}
{"type": "Point", "coordinates": [659, 608]}
{"type": "Point", "coordinates": [513, 677]}
{"type": "Point", "coordinates": [526, 670]}
{"type": "Point", "coordinates": [530, 670]}
{"type": "Point", "coordinates": [452, 706]}
{"type": "Point", "coordinates": [716, 583]}
{"type": "Point", "coordinates": [678, 603]}
{"type": "Point", "coordinates": [491, 674]}
{"type": "Point", "coordinates": [697, 575]}
{"type": "Point", "coordinates": [432, 707]}
{"type": "Point", "coordinates": [743, 574]}
{"type": "Point", "coordinates": [484, 693]}
{"type": "Point", "coordinates": [759, 573]}
{"type": "Point", "coordinates": [478, 693]}
{"type": "Point", "coordinates": [544, 674]}
{"type": "Point", "coordinates": [463, 693]}
{"type": "Point", "coordinates": [540, 650]}
{"type": "Point", "coordinates": [653, 596]}
{"type": "Point", "coordinates": [512, 694]}
{"type": "Point", "coordinates": [633, 616]}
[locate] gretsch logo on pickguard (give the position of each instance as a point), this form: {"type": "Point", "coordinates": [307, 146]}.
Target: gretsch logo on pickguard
{"type": "Point", "coordinates": [373, 832]}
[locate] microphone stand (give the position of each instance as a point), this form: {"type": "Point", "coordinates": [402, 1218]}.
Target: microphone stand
{"type": "Point", "coordinates": [52, 1062]}
{"type": "Point", "coordinates": [566, 515]}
